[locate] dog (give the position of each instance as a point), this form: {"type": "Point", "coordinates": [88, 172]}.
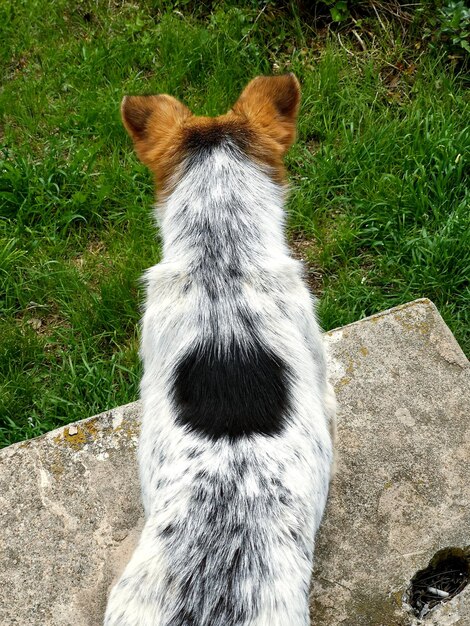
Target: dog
{"type": "Point", "coordinates": [236, 443]}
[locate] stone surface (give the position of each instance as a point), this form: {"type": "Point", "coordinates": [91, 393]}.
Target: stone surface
{"type": "Point", "coordinates": [401, 491]}
{"type": "Point", "coordinates": [70, 511]}
{"type": "Point", "coordinates": [69, 517]}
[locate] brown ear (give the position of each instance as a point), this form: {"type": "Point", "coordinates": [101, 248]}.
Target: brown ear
{"type": "Point", "coordinates": [151, 121]}
{"type": "Point", "coordinates": [272, 104]}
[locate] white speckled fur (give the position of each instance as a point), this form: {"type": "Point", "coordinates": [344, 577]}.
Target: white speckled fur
{"type": "Point", "coordinates": [230, 524]}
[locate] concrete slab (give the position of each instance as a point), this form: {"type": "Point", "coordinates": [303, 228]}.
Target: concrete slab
{"type": "Point", "coordinates": [70, 511]}
{"type": "Point", "coordinates": [402, 487]}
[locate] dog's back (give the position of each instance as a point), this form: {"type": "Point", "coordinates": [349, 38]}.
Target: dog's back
{"type": "Point", "coordinates": [235, 450]}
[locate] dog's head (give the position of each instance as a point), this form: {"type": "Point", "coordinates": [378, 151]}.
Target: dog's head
{"type": "Point", "coordinates": [262, 123]}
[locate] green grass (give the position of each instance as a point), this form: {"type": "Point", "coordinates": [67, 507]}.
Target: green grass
{"type": "Point", "coordinates": [379, 195]}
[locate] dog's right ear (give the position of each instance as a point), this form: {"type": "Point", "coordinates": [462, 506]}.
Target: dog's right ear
{"type": "Point", "coordinates": [272, 104]}
{"type": "Point", "coordinates": [152, 122]}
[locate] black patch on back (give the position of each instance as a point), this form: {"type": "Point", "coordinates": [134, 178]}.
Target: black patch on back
{"type": "Point", "coordinates": [233, 391]}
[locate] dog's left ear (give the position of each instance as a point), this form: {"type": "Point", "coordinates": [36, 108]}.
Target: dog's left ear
{"type": "Point", "coordinates": [272, 103]}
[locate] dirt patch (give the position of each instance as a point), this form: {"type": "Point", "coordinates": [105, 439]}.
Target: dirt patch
{"type": "Point", "coordinates": [93, 263]}
{"type": "Point", "coordinates": [44, 319]}
{"type": "Point", "coordinates": [94, 249]}
{"type": "Point", "coordinates": [45, 325]}
{"type": "Point", "coordinates": [306, 250]}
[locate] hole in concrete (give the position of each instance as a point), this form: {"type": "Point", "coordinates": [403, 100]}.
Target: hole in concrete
{"type": "Point", "coordinates": [447, 574]}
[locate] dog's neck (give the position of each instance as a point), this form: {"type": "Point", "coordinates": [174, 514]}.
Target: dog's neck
{"type": "Point", "coordinates": [224, 215]}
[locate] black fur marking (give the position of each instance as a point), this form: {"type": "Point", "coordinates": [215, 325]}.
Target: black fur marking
{"type": "Point", "coordinates": [216, 266]}
{"type": "Point", "coordinates": [168, 531]}
{"type": "Point", "coordinates": [232, 392]}
{"type": "Point", "coordinates": [199, 139]}
{"type": "Point", "coordinates": [207, 583]}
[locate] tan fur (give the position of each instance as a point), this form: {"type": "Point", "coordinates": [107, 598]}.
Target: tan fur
{"type": "Point", "coordinates": [155, 124]}
{"type": "Point", "coordinates": [270, 104]}
{"type": "Point", "coordinates": [262, 122]}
